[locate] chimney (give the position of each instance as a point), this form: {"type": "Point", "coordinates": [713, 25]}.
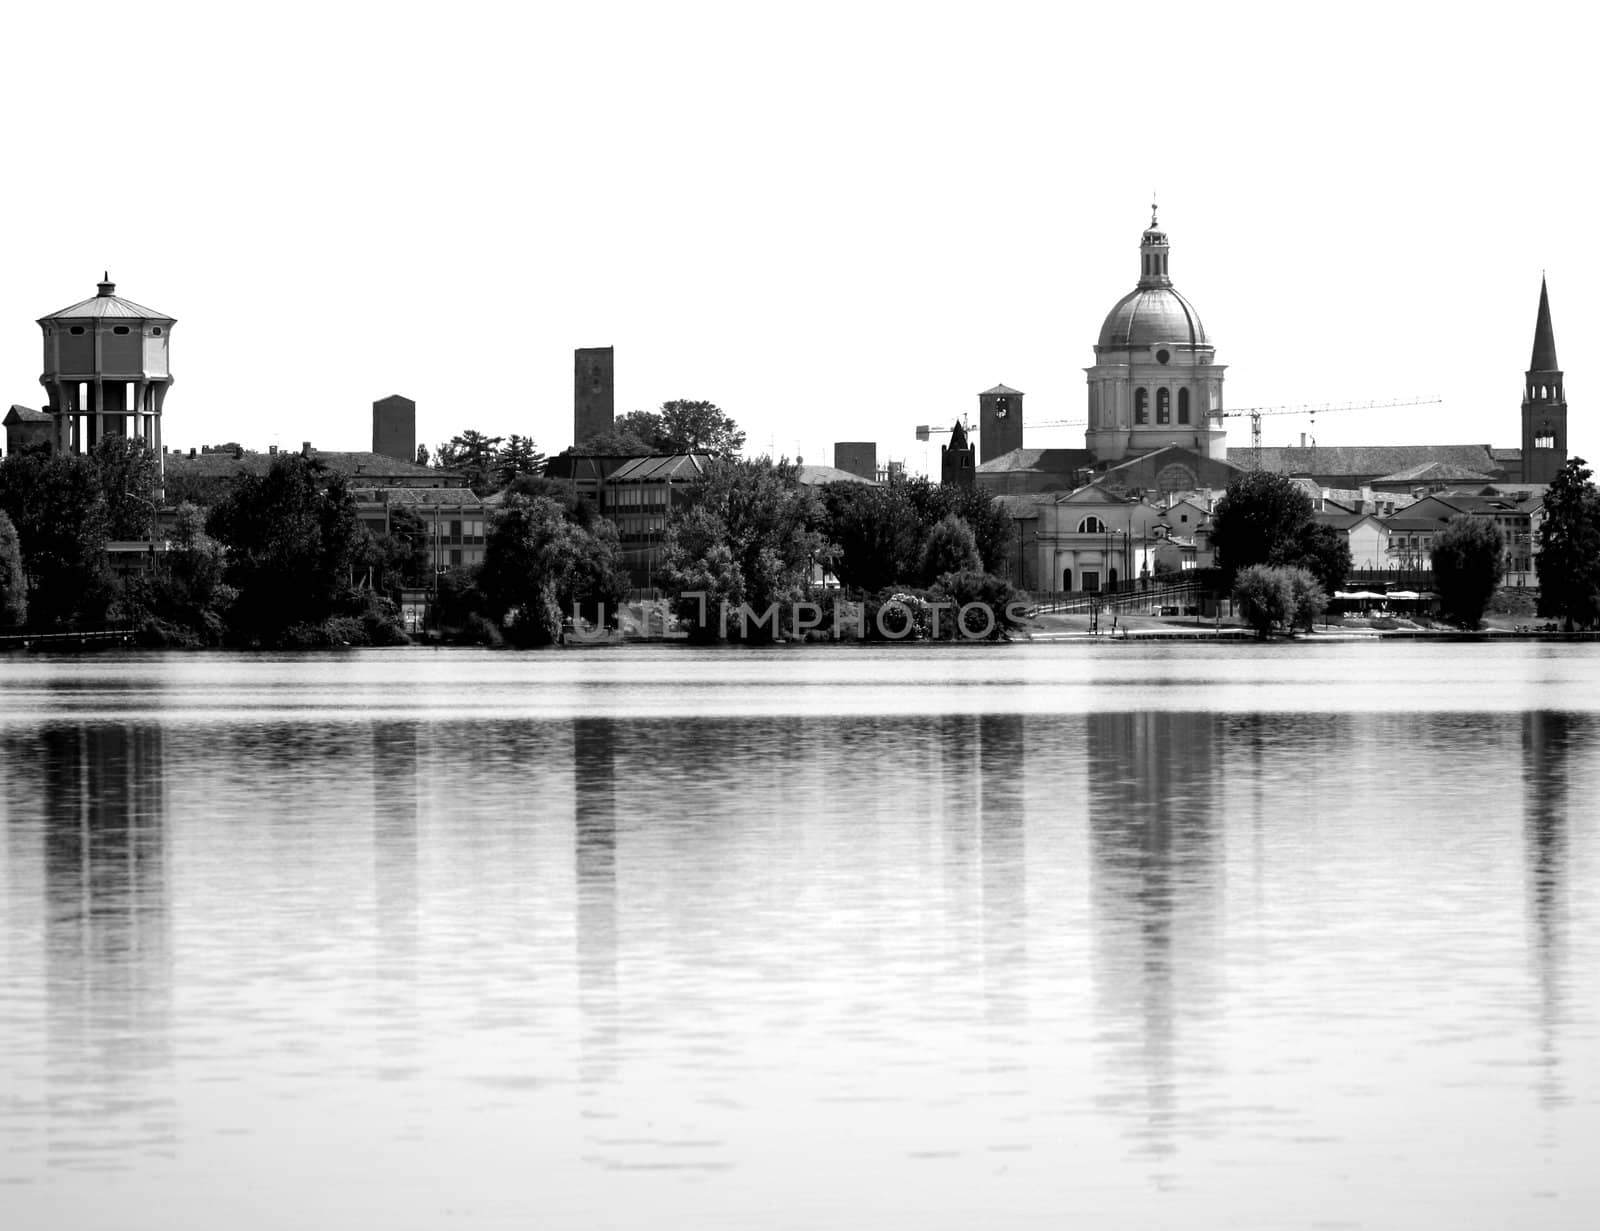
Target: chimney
{"type": "Point", "coordinates": [272, 450]}
{"type": "Point", "coordinates": [191, 452]}
{"type": "Point", "coordinates": [305, 448]}
{"type": "Point", "coordinates": [1302, 440]}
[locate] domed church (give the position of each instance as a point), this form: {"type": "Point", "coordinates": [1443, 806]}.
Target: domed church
{"type": "Point", "coordinates": [1155, 381]}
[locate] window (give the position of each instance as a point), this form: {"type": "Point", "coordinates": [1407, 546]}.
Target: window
{"type": "Point", "coordinates": [1163, 406]}
{"type": "Point", "coordinates": [1183, 406]}
{"type": "Point", "coordinates": [1066, 579]}
{"type": "Point", "coordinates": [76, 330]}
{"type": "Point", "coordinates": [1141, 406]}
{"type": "Point", "coordinates": [156, 331]}
{"type": "Point", "coordinates": [119, 329]}
{"type": "Point", "coordinates": [1091, 525]}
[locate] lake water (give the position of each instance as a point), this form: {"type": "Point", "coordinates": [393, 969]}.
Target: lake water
{"type": "Point", "coordinates": [1132, 935]}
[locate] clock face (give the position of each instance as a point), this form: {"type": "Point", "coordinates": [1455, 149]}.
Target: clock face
{"type": "Point", "coordinates": [1002, 408]}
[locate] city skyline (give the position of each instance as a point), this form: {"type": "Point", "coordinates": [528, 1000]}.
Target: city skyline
{"type": "Point", "coordinates": [836, 230]}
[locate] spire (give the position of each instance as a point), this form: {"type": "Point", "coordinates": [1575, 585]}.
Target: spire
{"type": "Point", "coordinates": [107, 286]}
{"type": "Point", "coordinates": [1544, 337]}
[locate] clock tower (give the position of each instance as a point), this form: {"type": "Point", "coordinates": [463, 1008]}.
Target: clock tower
{"type": "Point", "coordinates": [999, 422]}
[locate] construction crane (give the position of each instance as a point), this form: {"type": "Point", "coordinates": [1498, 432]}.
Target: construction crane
{"type": "Point", "coordinates": [924, 431]}
{"type": "Point", "coordinates": [1257, 413]}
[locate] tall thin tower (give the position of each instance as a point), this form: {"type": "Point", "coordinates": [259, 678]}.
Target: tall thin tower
{"type": "Point", "coordinates": [1544, 403]}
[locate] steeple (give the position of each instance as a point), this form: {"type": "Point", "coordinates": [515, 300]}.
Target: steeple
{"type": "Point", "coordinates": [1544, 337]}
{"type": "Point", "coordinates": [1153, 249]}
{"type": "Point", "coordinates": [1544, 403]}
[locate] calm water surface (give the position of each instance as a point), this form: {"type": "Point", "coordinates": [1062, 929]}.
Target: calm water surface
{"type": "Point", "coordinates": [1031, 936]}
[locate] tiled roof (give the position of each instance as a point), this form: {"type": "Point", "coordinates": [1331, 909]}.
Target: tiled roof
{"type": "Point", "coordinates": [1002, 389]}
{"type": "Point", "coordinates": [1044, 461]}
{"type": "Point", "coordinates": [1435, 472]}
{"type": "Point", "coordinates": [816, 476]}
{"type": "Point", "coordinates": [25, 414]}
{"type": "Point", "coordinates": [1372, 460]}
{"type": "Point", "coordinates": [352, 465]}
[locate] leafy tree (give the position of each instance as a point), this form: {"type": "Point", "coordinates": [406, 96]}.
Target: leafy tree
{"type": "Point", "coordinates": [878, 533]}
{"type": "Point", "coordinates": [13, 581]}
{"type": "Point", "coordinates": [422, 455]}
{"type": "Point", "coordinates": [182, 599]}
{"type": "Point", "coordinates": [538, 567]}
{"type": "Point", "coordinates": [984, 515]}
{"type": "Point", "coordinates": [1265, 596]}
{"type": "Point", "coordinates": [698, 427]}
{"type": "Point", "coordinates": [292, 538]}
{"type": "Point", "coordinates": [881, 530]}
{"type": "Point", "coordinates": [751, 533]}
{"type": "Point", "coordinates": [1259, 520]}
{"type": "Point", "coordinates": [518, 457]}
{"type": "Point", "coordinates": [1310, 599]}
{"type": "Point", "coordinates": [1568, 559]}
{"type": "Point", "coordinates": [1467, 556]}
{"type": "Point", "coordinates": [130, 477]}
{"type": "Point", "coordinates": [58, 507]}
{"type": "Point", "coordinates": [475, 456]}
{"type": "Point", "coordinates": [617, 441]}
{"type": "Point", "coordinates": [202, 490]}
{"type": "Point", "coordinates": [1323, 551]}
{"type": "Point", "coordinates": [950, 548]}
{"type": "Point", "coordinates": [399, 556]}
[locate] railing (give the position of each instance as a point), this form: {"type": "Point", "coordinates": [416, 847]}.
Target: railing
{"type": "Point", "coordinates": [1129, 599]}
{"type": "Point", "coordinates": [114, 634]}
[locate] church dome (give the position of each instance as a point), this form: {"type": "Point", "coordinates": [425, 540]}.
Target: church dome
{"type": "Point", "coordinates": [1151, 315]}
{"type": "Point", "coordinates": [1152, 312]}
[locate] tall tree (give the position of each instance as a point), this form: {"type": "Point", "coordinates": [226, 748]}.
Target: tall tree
{"type": "Point", "coordinates": [698, 427]}
{"type": "Point", "coordinates": [1569, 548]}
{"type": "Point", "coordinates": [752, 531]}
{"type": "Point", "coordinates": [474, 455]}
{"type": "Point", "coordinates": [1467, 556]}
{"type": "Point", "coordinates": [58, 507]}
{"type": "Point", "coordinates": [517, 457]}
{"type": "Point", "coordinates": [422, 455]}
{"type": "Point", "coordinates": [130, 477]}
{"type": "Point", "coordinates": [538, 567]}
{"type": "Point", "coordinates": [1259, 520]}
{"type": "Point", "coordinates": [13, 581]}
{"type": "Point", "coordinates": [292, 537]}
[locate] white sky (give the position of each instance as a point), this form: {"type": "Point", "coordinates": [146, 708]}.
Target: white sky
{"type": "Point", "coordinates": [837, 221]}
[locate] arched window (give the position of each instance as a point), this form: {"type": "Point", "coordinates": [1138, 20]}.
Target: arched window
{"type": "Point", "coordinates": [1183, 406]}
{"type": "Point", "coordinates": [1091, 525]}
{"type": "Point", "coordinates": [1141, 406]}
{"type": "Point", "coordinates": [1163, 406]}
{"type": "Point", "coordinates": [1066, 579]}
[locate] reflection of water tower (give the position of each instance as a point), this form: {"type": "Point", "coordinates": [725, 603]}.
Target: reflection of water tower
{"type": "Point", "coordinates": [105, 371]}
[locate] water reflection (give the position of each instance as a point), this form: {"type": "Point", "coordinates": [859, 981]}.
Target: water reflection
{"type": "Point", "coordinates": [594, 808]}
{"type": "Point", "coordinates": [107, 938]}
{"type": "Point", "coordinates": [1547, 742]}
{"type": "Point", "coordinates": [1153, 782]}
{"type": "Point", "coordinates": [397, 804]}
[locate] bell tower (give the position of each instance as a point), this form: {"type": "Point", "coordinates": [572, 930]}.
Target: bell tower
{"type": "Point", "coordinates": [999, 422]}
{"type": "Point", "coordinates": [105, 371]}
{"type": "Point", "coordinates": [1544, 403]}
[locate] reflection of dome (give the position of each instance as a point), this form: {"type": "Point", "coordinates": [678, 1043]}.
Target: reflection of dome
{"type": "Point", "coordinates": [1149, 315]}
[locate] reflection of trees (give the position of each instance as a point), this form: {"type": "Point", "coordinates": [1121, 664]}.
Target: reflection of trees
{"type": "Point", "coordinates": [107, 940]}
{"type": "Point", "coordinates": [595, 827]}
{"type": "Point", "coordinates": [1152, 794]}
{"type": "Point", "coordinates": [1547, 741]}
{"type": "Point", "coordinates": [1003, 852]}
{"type": "Point", "coordinates": [396, 814]}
